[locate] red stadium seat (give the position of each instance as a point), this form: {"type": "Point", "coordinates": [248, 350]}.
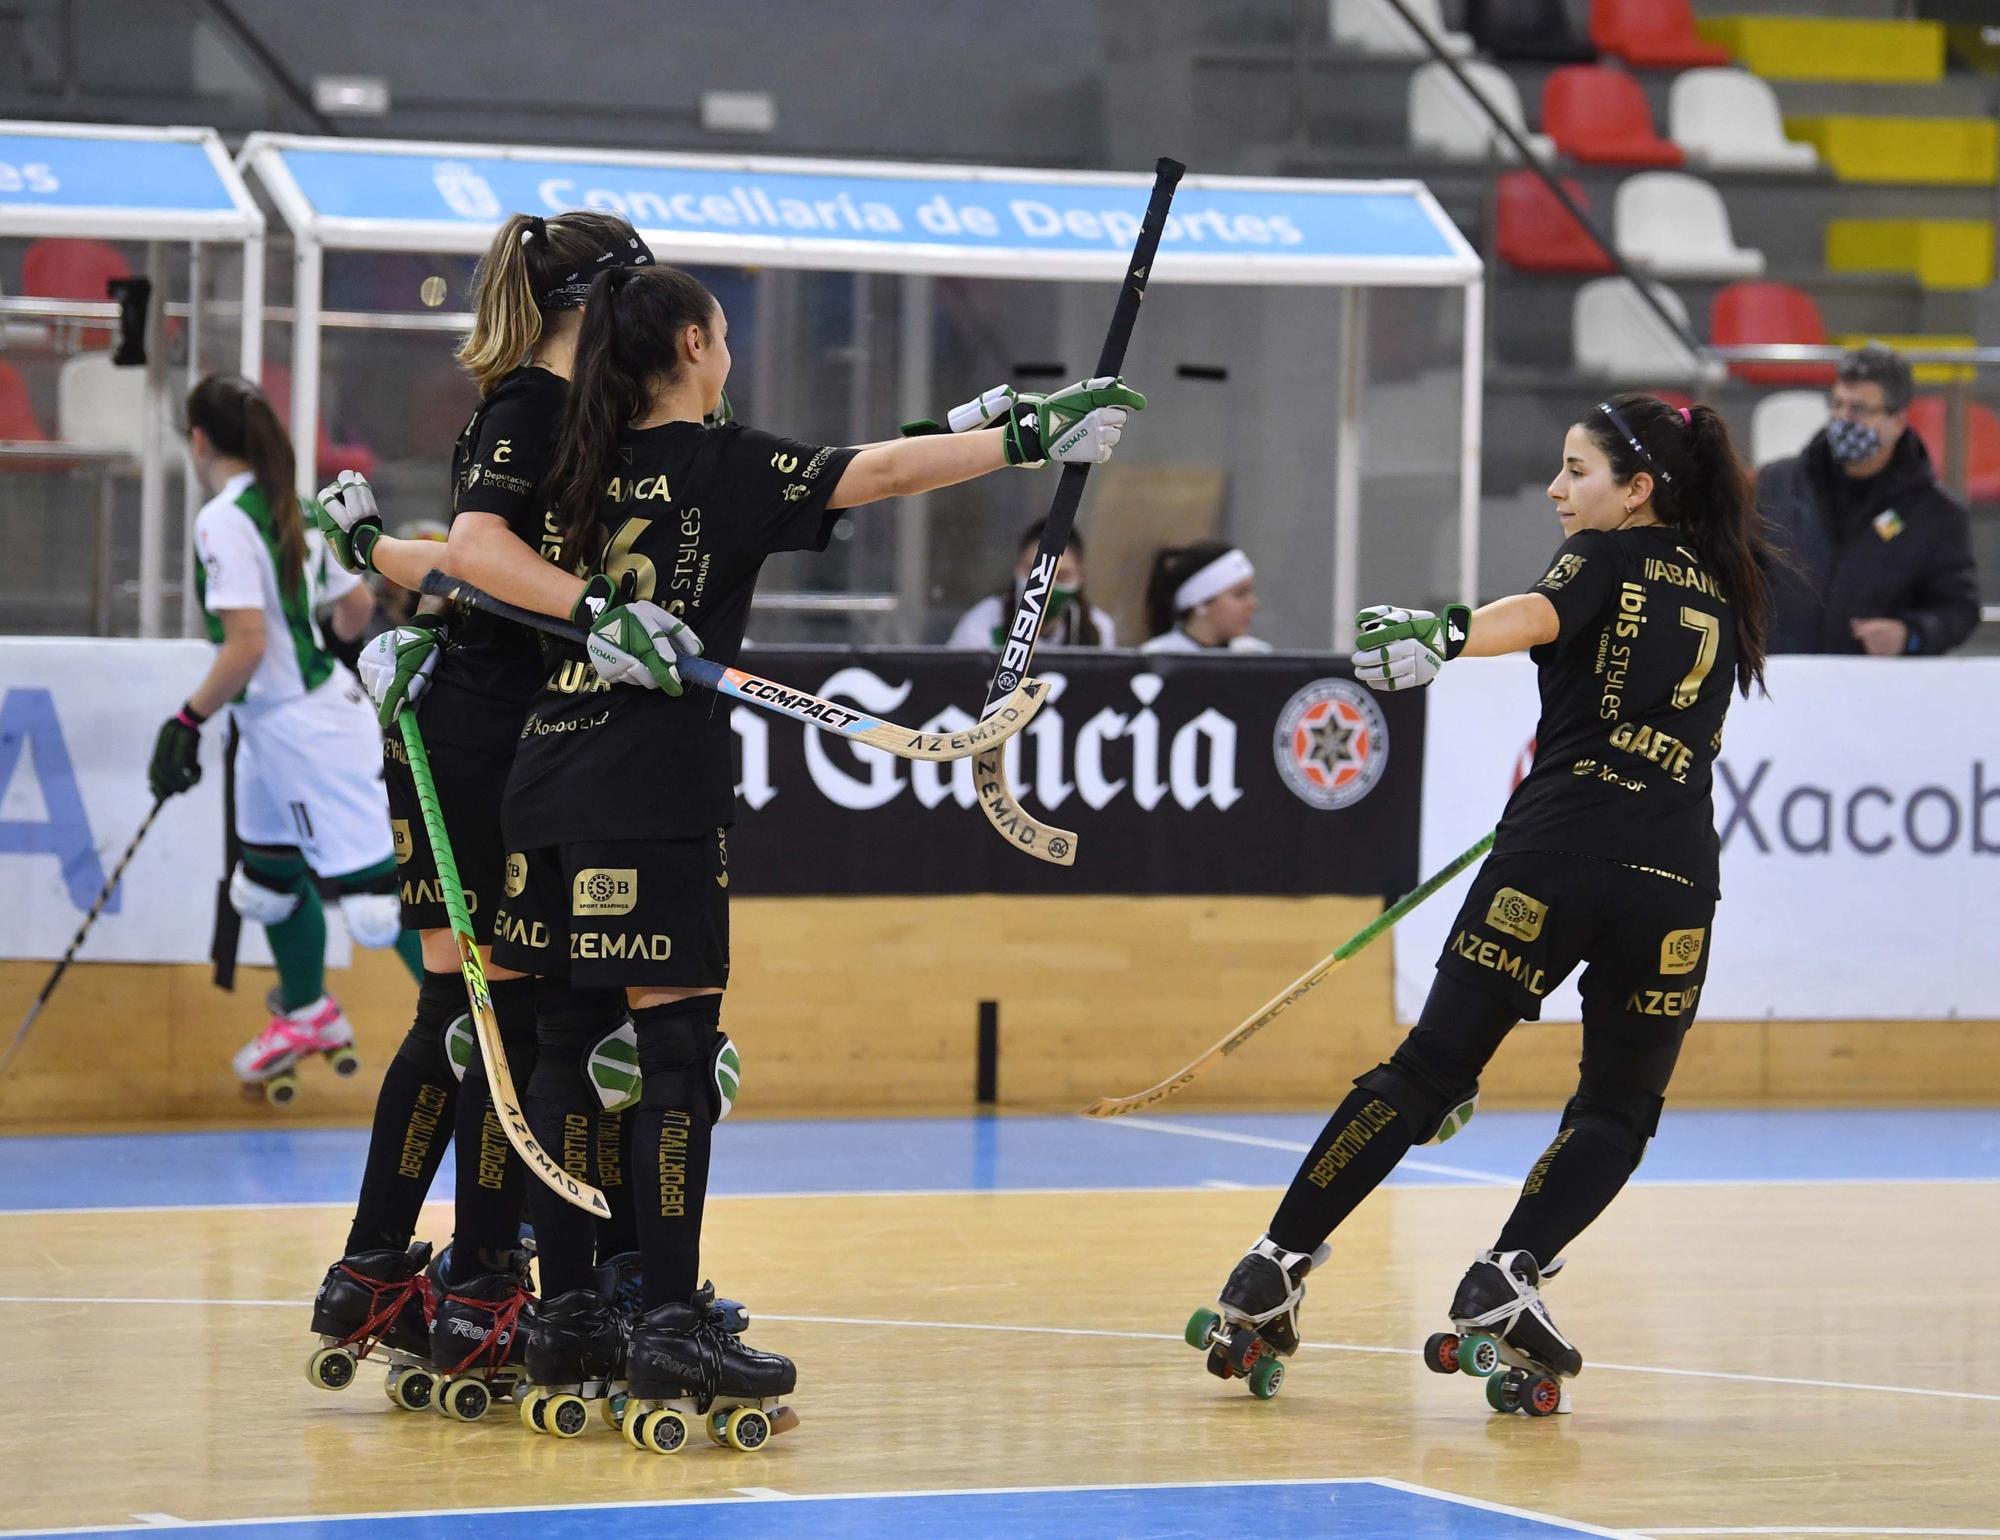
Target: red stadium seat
{"type": "Point", "coordinates": [1600, 117]}
{"type": "Point", "coordinates": [1652, 34]}
{"type": "Point", "coordinates": [1982, 457]}
{"type": "Point", "coordinates": [17, 409]}
{"type": "Point", "coordinates": [331, 458]}
{"type": "Point", "coordinates": [74, 269]}
{"type": "Point", "coordinates": [1535, 233]}
{"type": "Point", "coordinates": [1746, 313]}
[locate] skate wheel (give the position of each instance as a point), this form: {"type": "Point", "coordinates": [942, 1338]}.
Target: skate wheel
{"type": "Point", "coordinates": [345, 1061]}
{"type": "Point", "coordinates": [1245, 1350]}
{"type": "Point", "coordinates": [1218, 1365]}
{"type": "Point", "coordinates": [717, 1424]}
{"type": "Point", "coordinates": [565, 1415]}
{"type": "Point", "coordinates": [747, 1429]}
{"type": "Point", "coordinates": [665, 1432]}
{"type": "Point", "coordinates": [612, 1410]}
{"type": "Point", "coordinates": [1201, 1328]}
{"type": "Point", "coordinates": [1503, 1392]}
{"type": "Point", "coordinates": [331, 1368]}
{"type": "Point", "coordinates": [531, 1411]}
{"type": "Point", "coordinates": [1542, 1396]}
{"type": "Point", "coordinates": [464, 1400]}
{"type": "Point", "coordinates": [410, 1388]}
{"type": "Point", "coordinates": [281, 1090]}
{"type": "Point", "coordinates": [1441, 1353]}
{"type": "Point", "coordinates": [635, 1426]}
{"type": "Point", "coordinates": [1267, 1377]}
{"type": "Point", "coordinates": [1478, 1354]}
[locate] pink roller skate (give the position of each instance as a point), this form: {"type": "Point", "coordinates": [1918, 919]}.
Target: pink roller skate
{"type": "Point", "coordinates": [269, 1062]}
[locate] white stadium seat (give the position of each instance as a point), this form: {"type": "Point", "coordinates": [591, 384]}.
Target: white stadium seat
{"type": "Point", "coordinates": [1782, 422]}
{"type": "Point", "coordinates": [1445, 120]}
{"type": "Point", "coordinates": [99, 405]}
{"type": "Point", "coordinates": [1676, 226]}
{"type": "Point", "coordinates": [1615, 335]}
{"type": "Point", "coordinates": [1372, 26]}
{"type": "Point", "coordinates": [1729, 119]}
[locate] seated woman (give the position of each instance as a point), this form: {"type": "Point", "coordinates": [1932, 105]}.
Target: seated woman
{"type": "Point", "coordinates": [1202, 598]}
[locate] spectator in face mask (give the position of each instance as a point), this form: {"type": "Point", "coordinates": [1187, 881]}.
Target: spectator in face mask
{"type": "Point", "coordinates": [1880, 553]}
{"type": "Point", "coordinates": [1068, 619]}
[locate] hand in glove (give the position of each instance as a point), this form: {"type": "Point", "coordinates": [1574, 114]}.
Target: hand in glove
{"type": "Point", "coordinates": [1402, 649]}
{"type": "Point", "coordinates": [396, 666]}
{"type": "Point", "coordinates": [346, 514]}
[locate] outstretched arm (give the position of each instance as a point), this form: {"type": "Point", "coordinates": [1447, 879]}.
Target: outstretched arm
{"type": "Point", "coordinates": [1512, 624]}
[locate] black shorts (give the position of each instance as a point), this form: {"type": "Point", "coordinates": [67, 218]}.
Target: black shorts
{"type": "Point", "coordinates": [618, 914]}
{"type": "Point", "coordinates": [470, 784]}
{"type": "Point", "coordinates": [1531, 918]}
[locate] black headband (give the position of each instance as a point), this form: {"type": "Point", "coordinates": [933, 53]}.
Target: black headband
{"type": "Point", "coordinates": [1632, 438]}
{"type": "Point", "coordinates": [573, 288]}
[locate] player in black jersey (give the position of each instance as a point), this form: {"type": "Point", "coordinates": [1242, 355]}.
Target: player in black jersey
{"type": "Point", "coordinates": [1652, 611]}
{"type": "Point", "coordinates": [474, 678]}
{"type": "Point", "coordinates": [622, 788]}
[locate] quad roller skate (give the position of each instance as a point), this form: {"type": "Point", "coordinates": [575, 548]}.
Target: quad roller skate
{"type": "Point", "coordinates": [376, 1300]}
{"type": "Point", "coordinates": [476, 1333]}
{"type": "Point", "coordinates": [268, 1064]}
{"type": "Point", "coordinates": [682, 1366]}
{"type": "Point", "coordinates": [1505, 1336]}
{"type": "Point", "coordinates": [1257, 1327]}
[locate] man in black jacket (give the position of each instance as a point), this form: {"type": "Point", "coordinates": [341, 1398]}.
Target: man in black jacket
{"type": "Point", "coordinates": [1882, 553]}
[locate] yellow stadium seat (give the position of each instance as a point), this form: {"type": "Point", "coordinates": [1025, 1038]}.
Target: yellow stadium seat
{"type": "Point", "coordinates": [1812, 48]}
{"type": "Point", "coordinates": [1960, 151]}
{"type": "Point", "coordinates": [1941, 253]}
{"type": "Point", "coordinates": [1910, 342]}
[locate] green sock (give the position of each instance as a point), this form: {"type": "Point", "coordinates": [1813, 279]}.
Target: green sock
{"type": "Point", "coordinates": [410, 947]}
{"type": "Point", "coordinates": [298, 942]}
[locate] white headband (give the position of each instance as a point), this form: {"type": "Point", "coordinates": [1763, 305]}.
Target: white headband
{"type": "Point", "coordinates": [1218, 577]}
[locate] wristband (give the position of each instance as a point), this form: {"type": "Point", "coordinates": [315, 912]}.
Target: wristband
{"type": "Point", "coordinates": [187, 716]}
{"type": "Point", "coordinates": [363, 541]}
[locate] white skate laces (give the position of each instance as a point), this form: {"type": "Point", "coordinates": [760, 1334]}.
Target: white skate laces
{"type": "Point", "coordinates": [1294, 1265]}
{"type": "Point", "coordinates": [1527, 1298]}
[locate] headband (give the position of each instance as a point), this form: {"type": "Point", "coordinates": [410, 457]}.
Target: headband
{"type": "Point", "coordinates": [1218, 577]}
{"type": "Point", "coordinates": [573, 288]}
{"type": "Point", "coordinates": [1632, 438]}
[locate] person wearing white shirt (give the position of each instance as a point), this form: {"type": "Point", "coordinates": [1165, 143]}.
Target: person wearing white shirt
{"type": "Point", "coordinates": [1069, 620]}
{"type": "Point", "coordinates": [1202, 598]}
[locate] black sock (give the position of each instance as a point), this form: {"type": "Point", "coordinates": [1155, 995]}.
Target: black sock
{"type": "Point", "coordinates": [562, 1109]}
{"type": "Point", "coordinates": [620, 1233]}
{"type": "Point", "coordinates": [487, 1222]}
{"type": "Point", "coordinates": [671, 1130]}
{"type": "Point", "coordinates": [413, 1122]}
{"type": "Point", "coordinates": [1359, 1146]}
{"type": "Point", "coordinates": [1574, 1181]}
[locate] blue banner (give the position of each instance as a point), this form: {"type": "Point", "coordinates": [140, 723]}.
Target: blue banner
{"type": "Point", "coordinates": [1356, 223]}
{"type": "Point", "coordinates": [49, 171]}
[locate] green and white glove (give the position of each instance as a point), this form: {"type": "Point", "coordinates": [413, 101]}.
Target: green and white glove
{"type": "Point", "coordinates": [1402, 649]}
{"type": "Point", "coordinates": [632, 641]}
{"type": "Point", "coordinates": [1077, 425]}
{"type": "Point", "coordinates": [396, 666]}
{"type": "Point", "coordinates": [346, 514]}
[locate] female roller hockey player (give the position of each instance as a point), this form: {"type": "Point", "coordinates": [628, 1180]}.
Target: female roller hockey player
{"type": "Point", "coordinates": [474, 678]}
{"type": "Point", "coordinates": [622, 792]}
{"type": "Point", "coordinates": [309, 805]}
{"type": "Point", "coordinates": [1652, 610]}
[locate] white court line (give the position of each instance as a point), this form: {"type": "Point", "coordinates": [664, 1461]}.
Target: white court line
{"type": "Point", "coordinates": [897, 1323]}
{"type": "Point", "coordinates": [1484, 1506]}
{"type": "Point", "coordinates": [1809, 1529]}
{"type": "Point", "coordinates": [161, 1520]}
{"type": "Point", "coordinates": [763, 1492]}
{"type": "Point", "coordinates": [1293, 1146]}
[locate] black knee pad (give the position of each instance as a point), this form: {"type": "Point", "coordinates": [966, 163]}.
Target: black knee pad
{"type": "Point", "coordinates": [685, 1060]}
{"type": "Point", "coordinates": [1624, 1119]}
{"type": "Point", "coordinates": [1408, 1088]}
{"type": "Point", "coordinates": [428, 1044]}
{"type": "Point", "coordinates": [569, 1023]}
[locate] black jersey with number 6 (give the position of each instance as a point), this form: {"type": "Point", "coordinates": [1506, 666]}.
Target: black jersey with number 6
{"type": "Point", "coordinates": [1634, 690]}
{"type": "Point", "coordinates": [691, 513]}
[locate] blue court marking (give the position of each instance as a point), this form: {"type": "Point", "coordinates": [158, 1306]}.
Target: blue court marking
{"type": "Point", "coordinates": [1022, 1154]}
{"type": "Point", "coordinates": [1306, 1510]}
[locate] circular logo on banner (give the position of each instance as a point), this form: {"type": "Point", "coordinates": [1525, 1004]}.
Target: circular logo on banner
{"type": "Point", "coordinates": [1332, 744]}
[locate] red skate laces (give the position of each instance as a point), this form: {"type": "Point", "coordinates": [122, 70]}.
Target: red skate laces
{"type": "Point", "coordinates": [490, 1352]}
{"type": "Point", "coordinates": [381, 1315]}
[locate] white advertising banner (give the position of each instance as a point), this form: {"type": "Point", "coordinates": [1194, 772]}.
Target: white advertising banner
{"type": "Point", "coordinates": [77, 721]}
{"type": "Point", "coordinates": [1859, 810]}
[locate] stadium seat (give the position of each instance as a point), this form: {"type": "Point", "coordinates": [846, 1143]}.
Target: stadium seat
{"type": "Point", "coordinates": [74, 269]}
{"type": "Point", "coordinates": [1536, 31]}
{"type": "Point", "coordinates": [18, 421]}
{"type": "Point", "coordinates": [1535, 233]}
{"type": "Point", "coordinates": [1831, 48]}
{"type": "Point", "coordinates": [330, 458]}
{"type": "Point", "coordinates": [1445, 119]}
{"type": "Point", "coordinates": [1729, 119]}
{"type": "Point", "coordinates": [1746, 313]}
{"type": "Point", "coordinates": [1615, 335]}
{"type": "Point", "coordinates": [1600, 117]}
{"type": "Point", "coordinates": [1782, 423]}
{"type": "Point", "coordinates": [1959, 152]}
{"type": "Point", "coordinates": [1939, 253]}
{"type": "Point", "coordinates": [101, 405]}
{"type": "Point", "coordinates": [1982, 459]}
{"type": "Point", "coordinates": [1652, 34]}
{"type": "Point", "coordinates": [1676, 226]}
{"type": "Point", "coordinates": [1374, 27]}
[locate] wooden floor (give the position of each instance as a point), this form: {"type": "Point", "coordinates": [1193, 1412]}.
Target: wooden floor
{"type": "Point", "coordinates": [1803, 1356]}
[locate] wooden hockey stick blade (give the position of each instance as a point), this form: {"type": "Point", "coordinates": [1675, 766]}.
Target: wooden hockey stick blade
{"type": "Point", "coordinates": [499, 1075]}
{"type": "Point", "coordinates": [1014, 822]}
{"type": "Point", "coordinates": [1006, 717]}
{"type": "Point", "coordinates": [1291, 994]}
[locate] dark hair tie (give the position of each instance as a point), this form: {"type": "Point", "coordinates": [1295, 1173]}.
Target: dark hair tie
{"type": "Point", "coordinates": [1632, 438]}
{"type": "Point", "coordinates": [538, 229]}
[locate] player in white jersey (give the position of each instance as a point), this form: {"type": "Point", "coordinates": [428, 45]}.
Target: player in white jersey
{"type": "Point", "coordinates": [310, 807]}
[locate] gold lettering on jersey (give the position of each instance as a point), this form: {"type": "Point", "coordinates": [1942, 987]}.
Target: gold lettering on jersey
{"type": "Point", "coordinates": [400, 828]}
{"type": "Point", "coordinates": [551, 543]}
{"type": "Point", "coordinates": [606, 946]}
{"type": "Point", "coordinates": [420, 1131]}
{"type": "Point", "coordinates": [1609, 774]}
{"type": "Point", "coordinates": [1566, 567]}
{"type": "Point", "coordinates": [431, 891]}
{"type": "Point", "coordinates": [690, 579]}
{"type": "Point", "coordinates": [1517, 914]}
{"type": "Point", "coordinates": [576, 677]}
{"type": "Point", "coordinates": [1663, 1002]}
{"type": "Point", "coordinates": [1681, 950]}
{"type": "Point", "coordinates": [517, 874]}
{"type": "Point", "coordinates": [393, 749]}
{"type": "Point", "coordinates": [492, 1152]}
{"type": "Point", "coordinates": [534, 727]}
{"type": "Point", "coordinates": [1491, 954]}
{"type": "Point", "coordinates": [1351, 1141]}
{"type": "Point", "coordinates": [605, 890]}
{"type": "Point", "coordinates": [672, 1164]}
{"type": "Point", "coordinates": [576, 1141]}
{"type": "Point", "coordinates": [1654, 746]}
{"type": "Point", "coordinates": [816, 464]}
{"type": "Point", "coordinates": [784, 464]}
{"type": "Point", "coordinates": [520, 932]}
{"type": "Point", "coordinates": [1618, 663]}
{"type": "Point", "coordinates": [1631, 608]}
{"type": "Point", "coordinates": [503, 451]}
{"type": "Point", "coordinates": [1658, 571]}
{"type": "Point", "coordinates": [641, 489]}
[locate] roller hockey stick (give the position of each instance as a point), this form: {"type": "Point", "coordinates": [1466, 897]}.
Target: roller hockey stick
{"type": "Point", "coordinates": [1291, 994]}
{"type": "Point", "coordinates": [498, 1075]}
{"type": "Point", "coordinates": [103, 897]}
{"type": "Point", "coordinates": [989, 769]}
{"type": "Point", "coordinates": [1014, 711]}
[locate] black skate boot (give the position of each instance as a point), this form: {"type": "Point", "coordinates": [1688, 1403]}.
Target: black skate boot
{"type": "Point", "coordinates": [1504, 1326]}
{"type": "Point", "coordinates": [575, 1354]}
{"type": "Point", "coordinates": [376, 1299]}
{"type": "Point", "coordinates": [619, 1280]}
{"type": "Point", "coordinates": [476, 1335]}
{"type": "Point", "coordinates": [681, 1364]}
{"type": "Point", "coordinates": [1258, 1324]}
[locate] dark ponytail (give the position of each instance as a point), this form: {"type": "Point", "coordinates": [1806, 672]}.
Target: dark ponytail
{"type": "Point", "coordinates": [240, 422]}
{"type": "Point", "coordinates": [630, 342]}
{"type": "Point", "coordinates": [1172, 567]}
{"type": "Point", "coordinates": [1702, 488]}
{"type": "Point", "coordinates": [525, 277]}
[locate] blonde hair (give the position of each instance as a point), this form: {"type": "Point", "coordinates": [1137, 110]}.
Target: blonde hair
{"type": "Point", "coordinates": [529, 256]}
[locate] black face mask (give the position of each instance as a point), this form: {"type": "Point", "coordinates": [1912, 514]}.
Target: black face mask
{"type": "Point", "coordinates": [573, 288]}
{"type": "Point", "coordinates": [1851, 441]}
